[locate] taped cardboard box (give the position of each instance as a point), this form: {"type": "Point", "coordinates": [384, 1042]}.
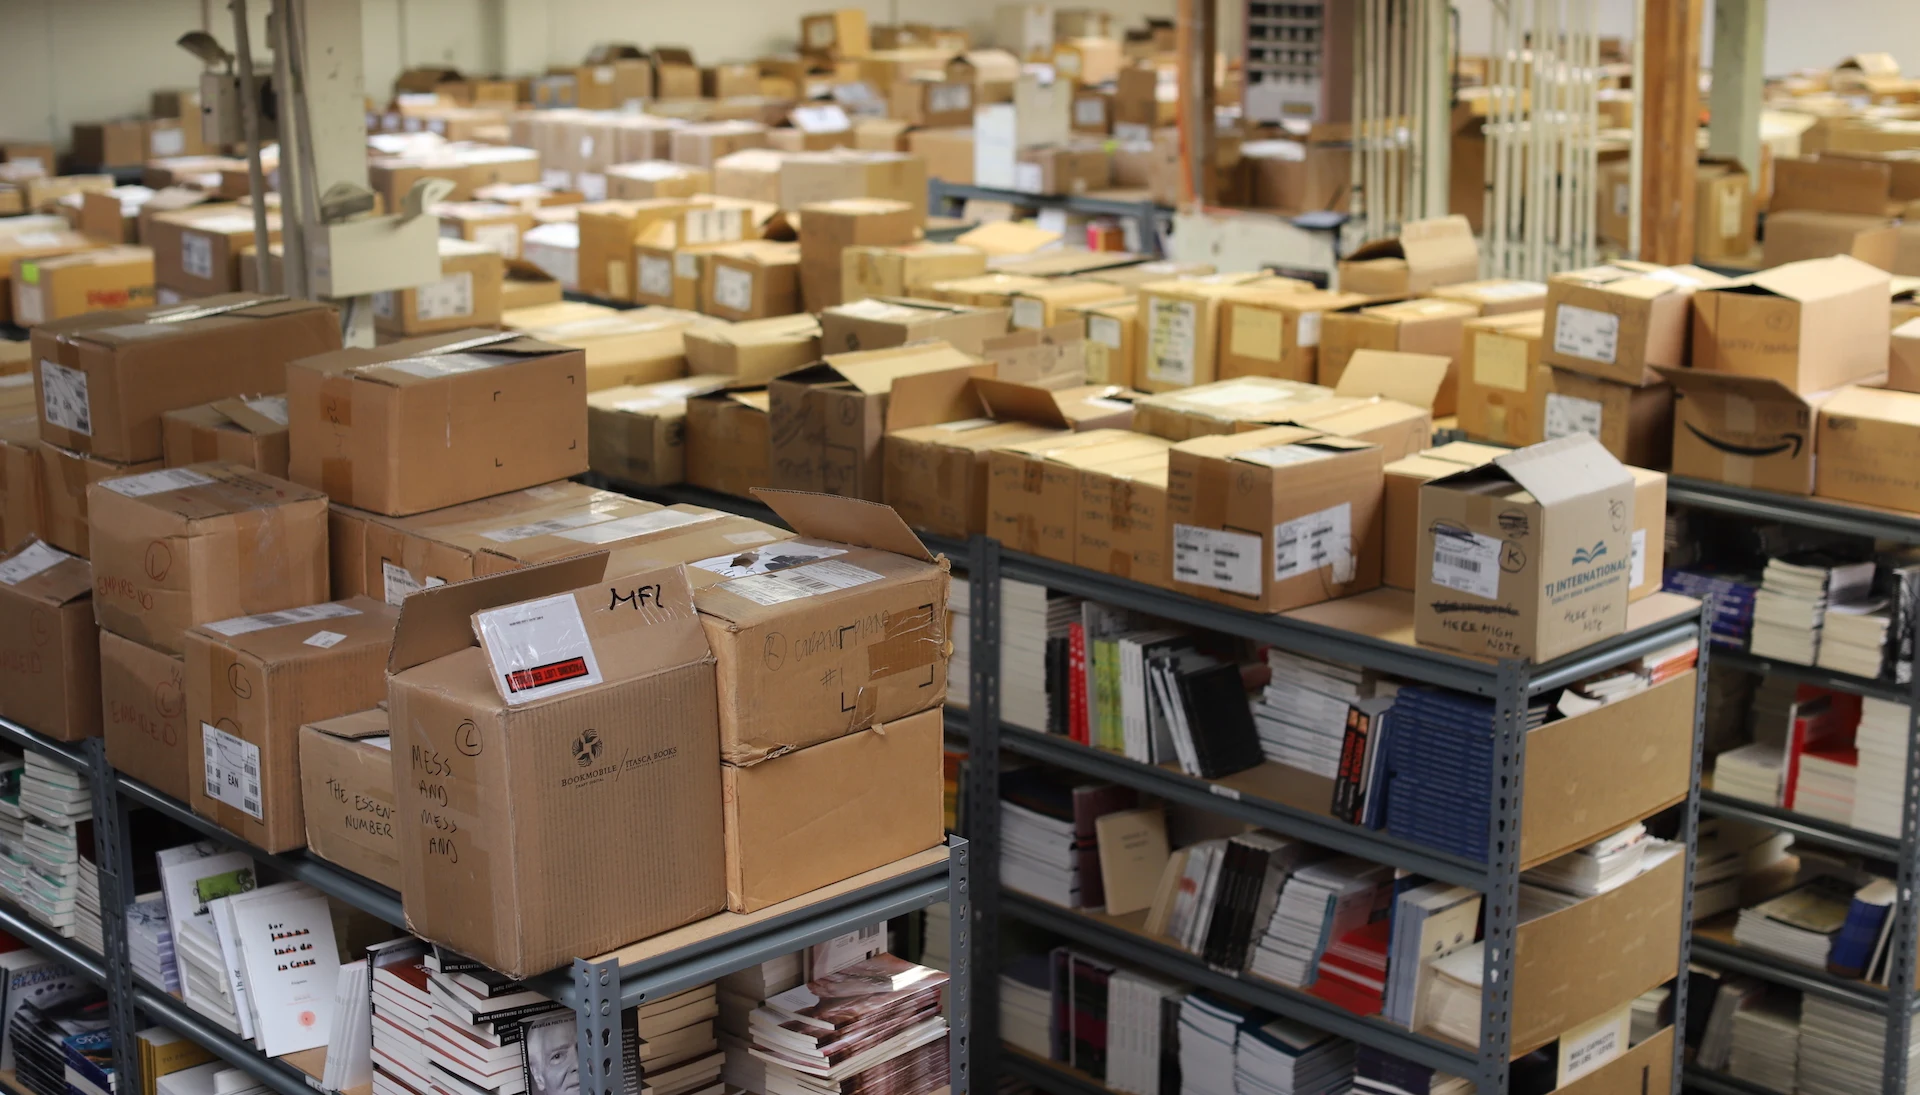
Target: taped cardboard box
{"type": "Point", "coordinates": [1725, 213]}
{"type": "Point", "coordinates": [1426, 255]}
{"type": "Point", "coordinates": [905, 270]}
{"type": "Point", "coordinates": [728, 439]}
{"type": "Point", "coordinates": [1528, 556]}
{"type": "Point", "coordinates": [143, 701]}
{"type": "Point", "coordinates": [196, 252]}
{"type": "Point", "coordinates": [1400, 502]}
{"type": "Point", "coordinates": [527, 286]}
{"type": "Point", "coordinates": [1796, 235]}
{"type": "Point", "coordinates": [86, 281]}
{"type": "Point", "coordinates": [1179, 341]}
{"type": "Point", "coordinates": [1649, 544]}
{"type": "Point", "coordinates": [881, 783]}
{"type": "Point", "coordinates": [637, 434]}
{"type": "Point", "coordinates": [436, 421]}
{"type": "Point", "coordinates": [1496, 296]}
{"type": "Point", "coordinates": [467, 294]}
{"type": "Point", "coordinates": [106, 378]}
{"type": "Point", "coordinates": [49, 643]}
{"type": "Point", "coordinates": [985, 290]}
{"type": "Point", "coordinates": [1275, 332]}
{"type": "Point", "coordinates": [21, 492]}
{"type": "Point", "coordinates": [606, 720]}
{"type": "Point", "coordinates": [878, 323]}
{"type": "Point", "coordinates": [17, 368]}
{"type": "Point", "coordinates": [1044, 306]}
{"type": "Point", "coordinates": [706, 548]}
{"type": "Point", "coordinates": [1635, 424]}
{"type": "Point", "coordinates": [610, 229]}
{"type": "Point", "coordinates": [1811, 325]}
{"type": "Point", "coordinates": [828, 420]}
{"type": "Point", "coordinates": [757, 279]}
{"type": "Point", "coordinates": [703, 143]}
{"type": "Point", "coordinates": [948, 153]}
{"type": "Point", "coordinates": [1869, 439]}
{"type": "Point", "coordinates": [1424, 326]}
{"type": "Point", "coordinates": [1622, 321]}
{"type": "Point", "coordinates": [752, 174]}
{"type": "Point", "coordinates": [1122, 525]}
{"type": "Point", "coordinates": [754, 350]}
{"type": "Point", "coordinates": [1502, 383]}
{"type": "Point", "coordinates": [1034, 487]}
{"type": "Point", "coordinates": [641, 346]}
{"type": "Point", "coordinates": [1053, 358]}
{"type": "Point", "coordinates": [936, 475]}
{"type": "Point", "coordinates": [1313, 502]}
{"type": "Point", "coordinates": [829, 228]}
{"type": "Point", "coordinates": [1903, 363]}
{"type": "Point", "coordinates": [1745, 430]}
{"type": "Point", "coordinates": [1112, 335]}
{"type": "Point", "coordinates": [64, 479]}
{"type": "Point", "coordinates": [494, 225]}
{"type": "Point", "coordinates": [812, 177]}
{"type": "Point", "coordinates": [346, 794]}
{"type": "Point", "coordinates": [30, 245]}
{"type": "Point", "coordinates": [1227, 406]}
{"type": "Point", "coordinates": [252, 681]}
{"type": "Point", "coordinates": [657, 179]}
{"type": "Point", "coordinates": [248, 431]}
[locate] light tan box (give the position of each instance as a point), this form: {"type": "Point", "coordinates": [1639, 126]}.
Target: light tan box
{"type": "Point", "coordinates": [18, 246]}
{"type": "Point", "coordinates": [143, 701]}
{"type": "Point", "coordinates": [59, 286]}
{"type": "Point", "coordinates": [196, 252]}
{"type": "Point", "coordinates": [64, 478]}
{"type": "Point", "coordinates": [1648, 572]}
{"type": "Point", "coordinates": [1903, 364]}
{"type": "Point", "coordinates": [877, 323]}
{"type": "Point", "coordinates": [1502, 383]}
{"type": "Point", "coordinates": [640, 346]}
{"type": "Point", "coordinates": [1496, 296]}
{"type": "Point", "coordinates": [1798, 234]}
{"type": "Point", "coordinates": [756, 350]}
{"type": "Point", "coordinates": [836, 35]}
{"type": "Point", "coordinates": [1425, 255]}
{"type": "Point", "coordinates": [1123, 520]}
{"type": "Point", "coordinates": [637, 435]}
{"type": "Point", "coordinates": [1811, 325]}
{"type": "Point", "coordinates": [936, 476]}
{"type": "Point", "coordinates": [905, 270]}
{"type": "Point", "coordinates": [21, 499]}
{"type": "Point", "coordinates": [1635, 424]}
{"type": "Point", "coordinates": [1621, 321]}
{"type": "Point", "coordinates": [948, 153]}
{"type": "Point", "coordinates": [754, 279]}
{"type": "Point", "coordinates": [1039, 309]}
{"type": "Point", "coordinates": [1112, 333]}
{"type": "Point", "coordinates": [346, 794]}
{"type": "Point", "coordinates": [495, 225]}
{"type": "Point", "coordinates": [752, 174]}
{"type": "Point", "coordinates": [49, 643]}
{"type": "Point", "coordinates": [1400, 502]}
{"type": "Point", "coordinates": [702, 143]}
{"type": "Point", "coordinates": [1034, 487]}
{"type": "Point", "coordinates": [1275, 332]}
{"type": "Point", "coordinates": [827, 229]}
{"type": "Point", "coordinates": [1869, 439]}
{"type": "Point", "coordinates": [1423, 326]}
{"type": "Point", "coordinates": [248, 431]}
{"type": "Point", "coordinates": [467, 294]}
{"type": "Point", "coordinates": [657, 179]}
{"type": "Point", "coordinates": [1745, 430]}
{"type": "Point", "coordinates": [728, 439]}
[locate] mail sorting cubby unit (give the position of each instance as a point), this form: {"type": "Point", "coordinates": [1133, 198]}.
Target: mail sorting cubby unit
{"type": "Point", "coordinates": [1898, 1000]}
{"type": "Point", "coordinates": [1561, 767]}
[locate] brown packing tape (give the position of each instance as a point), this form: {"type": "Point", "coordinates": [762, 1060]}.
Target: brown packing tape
{"type": "Point", "coordinates": [336, 478]}
{"type": "Point", "coordinates": [912, 641]}
{"type": "Point", "coordinates": [1032, 476]}
{"type": "Point", "coordinates": [1120, 564]}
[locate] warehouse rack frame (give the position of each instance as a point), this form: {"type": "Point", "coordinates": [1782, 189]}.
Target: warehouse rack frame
{"type": "Point", "coordinates": [1898, 1001]}
{"type": "Point", "coordinates": [1509, 683]}
{"type": "Point", "coordinates": [1146, 215]}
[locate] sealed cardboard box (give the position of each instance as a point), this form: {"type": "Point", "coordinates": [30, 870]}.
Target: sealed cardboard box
{"type": "Point", "coordinates": [880, 783]}
{"type": "Point", "coordinates": [1799, 234]}
{"type": "Point", "coordinates": [728, 440]}
{"type": "Point", "coordinates": [814, 177]}
{"type": "Point", "coordinates": [702, 143]}
{"type": "Point", "coordinates": [607, 723]}
{"type": "Point", "coordinates": [756, 350]}
{"type": "Point", "coordinates": [905, 270]}
{"type": "Point", "coordinates": [1633, 423]}
{"type": "Point", "coordinates": [346, 794]}
{"type": "Point", "coordinates": [86, 281]}
{"type": "Point", "coordinates": [1811, 325]}
{"type": "Point", "coordinates": [936, 476]}
{"type": "Point", "coordinates": [527, 286]}
{"type": "Point", "coordinates": [143, 707]}
{"type": "Point", "coordinates": [494, 225]}
{"type": "Point", "coordinates": [855, 571]}
{"type": "Point", "coordinates": [1227, 406]}
{"type": "Point", "coordinates": [752, 174]}
{"type": "Point", "coordinates": [609, 230]}
{"type": "Point", "coordinates": [1424, 326]}
{"type": "Point", "coordinates": [1063, 169]}
{"type": "Point", "coordinates": [1275, 332]}
{"type": "Point", "coordinates": [1400, 502]}
{"type": "Point", "coordinates": [880, 322]}
{"type": "Point", "coordinates": [196, 252]}
{"type": "Point", "coordinates": [638, 434]}
{"type": "Point", "coordinates": [828, 420]}
{"type": "Point", "coordinates": [1497, 296]}
{"type": "Point", "coordinates": [829, 228]}
{"type": "Point", "coordinates": [706, 548]}
{"type": "Point", "coordinates": [184, 546]}
{"type": "Point", "coordinates": [1274, 519]}
{"type": "Point", "coordinates": [932, 102]}
{"type": "Point", "coordinates": [1745, 430]}
{"type": "Point", "coordinates": [1869, 440]}
{"type": "Point", "coordinates": [436, 421]}
{"type": "Point", "coordinates": [29, 245]}
{"type": "Point", "coordinates": [1903, 365]}
{"type": "Point", "coordinates": [985, 290]}
{"type": "Point", "coordinates": [64, 478]}
{"type": "Point", "coordinates": [947, 152]}
{"type": "Point", "coordinates": [1528, 556]}
{"type": "Point", "coordinates": [21, 491]}
{"type": "Point", "coordinates": [1041, 308]}
{"type": "Point", "coordinates": [1034, 487]}
{"type": "Point", "coordinates": [756, 279]}
{"type": "Point", "coordinates": [1648, 572]}
{"type": "Point", "coordinates": [835, 35]}
{"type": "Point", "coordinates": [49, 644]}
{"type": "Point", "coordinates": [1179, 323]}
{"type": "Point", "coordinates": [1112, 332]}
{"type": "Point", "coordinates": [249, 431]}
{"type": "Point", "coordinates": [1426, 255]}
{"type": "Point", "coordinates": [106, 378]}
{"type": "Point", "coordinates": [1724, 213]}
{"type": "Point", "coordinates": [467, 294]}
{"type": "Point", "coordinates": [1122, 524]}
{"type": "Point", "coordinates": [658, 179]}
{"type": "Point", "coordinates": [252, 682]}
{"type": "Point", "coordinates": [1502, 383]}
{"type": "Point", "coordinates": [1621, 321]}
{"type": "Point", "coordinates": [641, 346]}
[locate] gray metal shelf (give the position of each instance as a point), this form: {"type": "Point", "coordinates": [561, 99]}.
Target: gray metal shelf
{"type": "Point", "coordinates": [21, 925]}
{"type": "Point", "coordinates": [1719, 1083]}
{"type": "Point", "coordinates": [1050, 1076]}
{"type": "Point", "coordinates": [1824, 833]}
{"type": "Point", "coordinates": [1807, 674]}
{"type": "Point", "coordinates": [1735, 959]}
{"type": "Point", "coordinates": [1794, 509]}
{"type": "Point", "coordinates": [73, 753]}
{"type": "Point", "coordinates": [229, 1047]}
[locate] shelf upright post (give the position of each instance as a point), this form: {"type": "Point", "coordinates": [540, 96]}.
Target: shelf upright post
{"type": "Point", "coordinates": [1502, 909]}
{"type": "Point", "coordinates": [1900, 994]}
{"type": "Point", "coordinates": [1690, 843]}
{"type": "Point", "coordinates": [960, 981]}
{"type": "Point", "coordinates": [597, 1038]}
{"type": "Point", "coordinates": [983, 803]}
{"type": "Point", "coordinates": [113, 860]}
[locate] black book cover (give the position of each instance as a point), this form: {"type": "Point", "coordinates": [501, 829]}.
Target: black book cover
{"type": "Point", "coordinates": [1234, 869]}
{"type": "Point", "coordinates": [1090, 1016]}
{"type": "Point", "coordinates": [1245, 903]}
{"type": "Point", "coordinates": [1170, 1045]}
{"type": "Point", "coordinates": [1059, 658]}
{"type": "Point", "coordinates": [1353, 756]}
{"type": "Point", "coordinates": [1224, 737]}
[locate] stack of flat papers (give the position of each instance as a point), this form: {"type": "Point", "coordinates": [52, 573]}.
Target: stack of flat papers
{"type": "Point", "coordinates": [150, 942]}
{"type": "Point", "coordinates": [1766, 1041]}
{"type": "Point", "coordinates": [1799, 925]}
{"type": "Point", "coordinates": [959, 665]}
{"type": "Point", "coordinates": [1855, 638]}
{"type": "Point", "coordinates": [86, 924]}
{"type": "Point", "coordinates": [350, 1044]}
{"type": "Point", "coordinates": [1598, 867]}
{"type": "Point", "coordinates": [1302, 714]}
{"type": "Point", "coordinates": [1881, 743]}
{"type": "Point", "coordinates": [1037, 835]}
{"type": "Point", "coordinates": [1282, 1057]}
{"type": "Point", "coordinates": [874, 1026]}
{"type": "Point", "coordinates": [1790, 611]}
{"type": "Point", "coordinates": [43, 872]}
{"type": "Point", "coordinates": [1752, 772]}
{"type": "Point", "coordinates": [1842, 1048]}
{"type": "Point", "coordinates": [1320, 903]}
{"type": "Point", "coordinates": [1650, 1013]}
{"type": "Point", "coordinates": [1209, 1035]}
{"type": "Point", "coordinates": [1026, 1008]}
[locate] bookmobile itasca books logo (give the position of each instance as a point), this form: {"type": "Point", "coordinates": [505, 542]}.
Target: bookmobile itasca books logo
{"type": "Point", "coordinates": [586, 748]}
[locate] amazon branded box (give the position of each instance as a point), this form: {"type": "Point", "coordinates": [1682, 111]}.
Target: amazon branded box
{"type": "Point", "coordinates": [436, 421]}
{"type": "Point", "coordinates": [1527, 556]}
{"type": "Point", "coordinates": [637, 434]}
{"type": "Point", "coordinates": [49, 643]}
{"type": "Point", "coordinates": [143, 701]}
{"type": "Point", "coordinates": [184, 546]}
{"type": "Point", "coordinates": [249, 430]}
{"type": "Point", "coordinates": [252, 682]}
{"type": "Point", "coordinates": [346, 794]}
{"type": "Point", "coordinates": [1622, 321]}
{"type": "Point", "coordinates": [535, 709]}
{"type": "Point", "coordinates": [1748, 431]}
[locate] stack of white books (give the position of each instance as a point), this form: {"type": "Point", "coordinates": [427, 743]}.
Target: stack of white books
{"type": "Point", "coordinates": [1141, 1004]}
{"type": "Point", "coordinates": [739, 993]}
{"type": "Point", "coordinates": [1790, 610]}
{"type": "Point", "coordinates": [1450, 1004]}
{"type": "Point", "coordinates": [1766, 1043]}
{"type": "Point", "coordinates": [678, 1048]}
{"type": "Point", "coordinates": [1209, 1036]}
{"type": "Point", "coordinates": [1799, 925]}
{"type": "Point", "coordinates": [1319, 903]}
{"type": "Point", "coordinates": [1598, 867]}
{"type": "Point", "coordinates": [1879, 779]}
{"type": "Point", "coordinates": [1842, 1048]}
{"type": "Point", "coordinates": [212, 1078]}
{"type": "Point", "coordinates": [402, 1012]}
{"type": "Point", "coordinates": [1029, 616]}
{"type": "Point", "coordinates": [960, 631]}
{"type": "Point", "coordinates": [1752, 772]}
{"type": "Point", "coordinates": [1026, 1008]}
{"type": "Point", "coordinates": [1648, 1015]}
{"type": "Point", "coordinates": [150, 942]}
{"type": "Point", "coordinates": [57, 802]}
{"type": "Point", "coordinates": [1302, 714]}
{"type": "Point", "coordinates": [1429, 921]}
{"type": "Point", "coordinates": [86, 924]}
{"type": "Point", "coordinates": [1730, 850]}
{"type": "Point", "coordinates": [12, 818]}
{"type": "Point", "coordinates": [1855, 638]}
{"type": "Point", "coordinates": [1826, 785]}
{"type": "Point", "coordinates": [192, 876]}
{"type": "Point", "coordinates": [1282, 1057]}
{"type": "Point", "coordinates": [1037, 855]}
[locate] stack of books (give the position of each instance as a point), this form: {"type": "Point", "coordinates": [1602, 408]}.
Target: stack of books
{"type": "Point", "coordinates": [1730, 996]}
{"type": "Point", "coordinates": [1651, 1011]}
{"type": "Point", "coordinates": [960, 632]}
{"type": "Point", "coordinates": [192, 876]}
{"type": "Point", "coordinates": [1731, 594]}
{"type": "Point", "coordinates": [1377, 1072]}
{"type": "Point", "coordinates": [213, 1078]}
{"type": "Point", "coordinates": [1842, 1048]}
{"type": "Point", "coordinates": [1855, 638]}
{"type": "Point", "coordinates": [1439, 767]}
{"type": "Point", "coordinates": [1753, 772]}
{"type": "Point", "coordinates": [1430, 921]}
{"type": "Point", "coordinates": [1880, 777]}
{"type": "Point", "coordinates": [677, 1045]}
{"type": "Point", "coordinates": [1081, 989]}
{"type": "Point", "coordinates": [1353, 969]}
{"type": "Point", "coordinates": [402, 1012]}
{"type": "Point", "coordinates": [1209, 1037]}
{"type": "Point", "coordinates": [1766, 1042]}
{"type": "Point", "coordinates": [739, 993]}
{"type": "Point", "coordinates": [1799, 925]}
{"type": "Point", "coordinates": [1302, 714]}
{"type": "Point", "coordinates": [86, 925]}
{"type": "Point", "coordinates": [1203, 700]}
{"type": "Point", "coordinates": [1824, 784]}
{"type": "Point", "coordinates": [13, 819]}
{"type": "Point", "coordinates": [48, 982]}
{"type": "Point", "coordinates": [874, 1026]}
{"type": "Point", "coordinates": [1450, 1000]}
{"type": "Point", "coordinates": [1602, 865]}
{"type": "Point", "coordinates": [1032, 618]}
{"type": "Point", "coordinates": [1117, 710]}
{"type": "Point", "coordinates": [163, 1051]}
{"type": "Point", "coordinates": [1730, 851]}
{"type": "Point", "coordinates": [42, 1031]}
{"type": "Point", "coordinates": [150, 943]}
{"type": "Point", "coordinates": [1143, 1041]}
{"type": "Point", "coordinates": [1026, 1006]}
{"type": "Point", "coordinates": [1282, 1057]}
{"type": "Point", "coordinates": [1790, 611]}
{"type": "Point", "coordinates": [1227, 892]}
{"type": "Point", "coordinates": [480, 1023]}
{"type": "Point", "coordinates": [56, 841]}
{"type": "Point", "coordinates": [1039, 838]}
{"type": "Point", "coordinates": [1320, 902]}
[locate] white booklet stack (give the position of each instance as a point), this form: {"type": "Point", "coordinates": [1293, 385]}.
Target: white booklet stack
{"type": "Point", "coordinates": [192, 876]}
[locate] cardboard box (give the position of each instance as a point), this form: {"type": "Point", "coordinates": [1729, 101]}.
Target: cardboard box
{"type": "Point", "coordinates": [1868, 441]}
{"type": "Point", "coordinates": [755, 279]}
{"type": "Point", "coordinates": [64, 478]}
{"type": "Point", "coordinates": [1009, 239]}
{"type": "Point", "coordinates": [829, 228]}
{"type": "Point", "coordinates": [1812, 325]}
{"type": "Point", "coordinates": [1837, 184]}
{"type": "Point", "coordinates": [1496, 296]}
{"type": "Point", "coordinates": [1648, 572]}
{"type": "Point", "coordinates": [985, 290]}
{"type": "Point", "coordinates": [1034, 487]}
{"type": "Point", "coordinates": [879, 323]}
{"type": "Point", "coordinates": [527, 286]}
{"type": "Point", "coordinates": [143, 701]}
{"type": "Point", "coordinates": [196, 251]}
{"type": "Point", "coordinates": [87, 281]}
{"type": "Point", "coordinates": [1621, 321]}
{"type": "Point", "coordinates": [641, 346]}
{"type": "Point", "coordinates": [948, 153]}
{"type": "Point", "coordinates": [881, 782]}
{"type": "Point", "coordinates": [1400, 502]}
{"type": "Point", "coordinates": [346, 794]}
{"type": "Point", "coordinates": [1424, 326]}
{"type": "Point", "coordinates": [631, 748]}
{"type": "Point", "coordinates": [1062, 169]}
{"type": "Point", "coordinates": [937, 475]}
{"type": "Point", "coordinates": [1088, 60]}
{"type": "Point", "coordinates": [1275, 332]}
{"type": "Point", "coordinates": [756, 350]}
{"type": "Point", "coordinates": [119, 143]}
{"type": "Point", "coordinates": [107, 377]}
{"type": "Point", "coordinates": [752, 174]}
{"type": "Point", "coordinates": [905, 270]}
{"type": "Point", "coordinates": [1724, 211]}
{"type": "Point", "coordinates": [930, 102]}
{"type": "Point", "coordinates": [251, 432]}
{"type": "Point", "coordinates": [49, 644]}
{"type": "Point", "coordinates": [1502, 383]}
{"type": "Point", "coordinates": [828, 420]}
{"type": "Point", "coordinates": [881, 135]}
{"type": "Point", "coordinates": [728, 440]}
{"type": "Point", "coordinates": [21, 505]}
{"type": "Point", "coordinates": [494, 225]}
{"type": "Point", "coordinates": [467, 294]}
{"type": "Point", "coordinates": [1122, 524]}
{"type": "Point", "coordinates": [835, 35]}
{"type": "Point", "coordinates": [657, 179]}
{"type": "Point", "coordinates": [436, 421]}
{"type": "Point", "coordinates": [1903, 364]}
{"type": "Point", "coordinates": [609, 230]}
{"type": "Point", "coordinates": [637, 434]}
{"type": "Point", "coordinates": [703, 143]}
{"type": "Point", "coordinates": [1528, 556]}
{"type": "Point", "coordinates": [1313, 502]}
{"type": "Point", "coordinates": [1041, 308]}
{"type": "Point", "coordinates": [675, 74]}
{"type": "Point", "coordinates": [1113, 330]}
{"type": "Point", "coordinates": [1745, 430]}
{"type": "Point", "coordinates": [1425, 255]}
{"type": "Point", "coordinates": [1179, 341]}
{"type": "Point", "coordinates": [251, 682]}
{"type": "Point", "coordinates": [1227, 406]}
{"type": "Point", "coordinates": [706, 548]}
{"type": "Point", "coordinates": [1800, 234]}
{"type": "Point", "coordinates": [1635, 424]}
{"type": "Point", "coordinates": [184, 546]}
{"type": "Point", "coordinates": [27, 246]}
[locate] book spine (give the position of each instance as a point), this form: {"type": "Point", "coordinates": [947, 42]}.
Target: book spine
{"type": "Point", "coordinates": [1353, 752]}
{"type": "Point", "coordinates": [1077, 682]}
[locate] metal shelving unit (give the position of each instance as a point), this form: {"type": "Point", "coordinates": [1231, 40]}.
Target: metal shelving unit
{"type": "Point", "coordinates": [1146, 215]}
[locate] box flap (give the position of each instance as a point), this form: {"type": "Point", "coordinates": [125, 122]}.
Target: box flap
{"type": "Point", "coordinates": [1564, 468]}
{"type": "Point", "coordinates": [438, 621]}
{"type": "Point", "coordinates": [672, 55]}
{"type": "Point", "coordinates": [45, 573]}
{"type": "Point", "coordinates": [258, 415]}
{"type": "Point", "coordinates": [845, 521]}
{"type": "Point", "coordinates": [1817, 279]}
{"type": "Point", "coordinates": [945, 395]}
{"type": "Point", "coordinates": [874, 371]}
{"type": "Point", "coordinates": [1007, 401]}
{"type": "Point", "coordinates": [1438, 243]}
{"type": "Point", "coordinates": [361, 724]}
{"type": "Point", "coordinates": [619, 627]}
{"type": "Point", "coordinates": [1414, 379]}
{"type": "Point", "coordinates": [1008, 238]}
{"type": "Point", "coordinates": [1706, 382]}
{"type": "Point", "coordinates": [1877, 404]}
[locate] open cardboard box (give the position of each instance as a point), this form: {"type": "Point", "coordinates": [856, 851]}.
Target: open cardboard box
{"type": "Point", "coordinates": [1425, 255]}
{"type": "Point", "coordinates": [1812, 325]}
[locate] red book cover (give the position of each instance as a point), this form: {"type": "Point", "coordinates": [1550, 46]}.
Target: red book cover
{"type": "Point", "coordinates": [1335, 990]}
{"type": "Point", "coordinates": [1077, 683]}
{"type": "Point", "coordinates": [1823, 721]}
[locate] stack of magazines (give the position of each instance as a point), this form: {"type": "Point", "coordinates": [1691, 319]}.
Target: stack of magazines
{"type": "Point", "coordinates": [874, 1026]}
{"type": "Point", "coordinates": [1880, 742]}
{"type": "Point", "coordinates": [1799, 925]}
{"type": "Point", "coordinates": [1302, 714]}
{"type": "Point", "coordinates": [1439, 761]}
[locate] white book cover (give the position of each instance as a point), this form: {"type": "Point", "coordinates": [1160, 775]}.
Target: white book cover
{"type": "Point", "coordinates": [182, 872]}
{"type": "Point", "coordinates": [227, 931]}
{"type": "Point", "coordinates": [292, 965]}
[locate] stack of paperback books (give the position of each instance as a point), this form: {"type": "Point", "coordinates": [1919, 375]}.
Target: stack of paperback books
{"type": "Point", "coordinates": [1824, 783]}
{"type": "Point", "coordinates": [1790, 611]}
{"type": "Point", "coordinates": [1282, 1057]}
{"type": "Point", "coordinates": [56, 840]}
{"type": "Point", "coordinates": [1320, 903]}
{"type": "Point", "coordinates": [1026, 1006]}
{"type": "Point", "coordinates": [1842, 1047]}
{"type": "Point", "coordinates": [677, 1047]}
{"type": "Point", "coordinates": [1353, 969]}
{"type": "Point", "coordinates": [872, 1027]}
{"type": "Point", "coordinates": [212, 1078]}
{"type": "Point", "coordinates": [1855, 638]}
{"type": "Point", "coordinates": [1040, 854]}
{"type": "Point", "coordinates": [150, 943]}
{"type": "Point", "coordinates": [738, 994]}
{"type": "Point", "coordinates": [402, 1014]}
{"type": "Point", "coordinates": [1600, 866]}
{"type": "Point", "coordinates": [1651, 1011]}
{"type": "Point", "coordinates": [1143, 1041]}
{"type": "Point", "coordinates": [1766, 1040]}
{"type": "Point", "coordinates": [1799, 925]}
{"type": "Point", "coordinates": [1752, 772]}
{"type": "Point", "coordinates": [1209, 1038]}
{"type": "Point", "coordinates": [48, 1035]}
{"type": "Point", "coordinates": [1731, 594]}
{"type": "Point", "coordinates": [1880, 776]}
{"type": "Point", "coordinates": [1439, 767]}
{"type": "Point", "coordinates": [480, 1025]}
{"type": "Point", "coordinates": [1377, 1072]}
{"type": "Point", "coordinates": [1033, 636]}
{"type": "Point", "coordinates": [1081, 1032]}
{"type": "Point", "coordinates": [1431, 920]}
{"type": "Point", "coordinates": [1228, 890]}
{"type": "Point", "coordinates": [1302, 714]}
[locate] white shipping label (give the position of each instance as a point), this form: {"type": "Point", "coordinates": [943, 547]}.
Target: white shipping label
{"type": "Point", "coordinates": [1228, 395]}
{"type": "Point", "coordinates": [1729, 217]}
{"type": "Point", "coordinates": [156, 482]}
{"type": "Point", "coordinates": [942, 98]}
{"type": "Point", "coordinates": [1323, 539]}
{"type": "Point", "coordinates": [398, 583]}
{"type": "Point", "coordinates": [1467, 562]}
{"type": "Point", "coordinates": [269, 406]}
{"type": "Point", "coordinates": [504, 238]}
{"type": "Point", "coordinates": [448, 298]}
{"type": "Point", "coordinates": [29, 305]}
{"type": "Point", "coordinates": [788, 554]}
{"type": "Point", "coordinates": [1584, 332]}
{"type": "Point", "coordinates": [1217, 559]}
{"type": "Point", "coordinates": [196, 254]}
{"type": "Point", "coordinates": [232, 767]}
{"type": "Point", "coordinates": [714, 225]}
{"type": "Point", "coordinates": [63, 398]}
{"type": "Point", "coordinates": [1105, 330]}
{"type": "Point", "coordinates": [686, 264]}
{"type": "Point", "coordinates": [164, 295]}
{"type": "Point", "coordinates": [548, 527]}
{"type": "Point", "coordinates": [1090, 112]}
{"type": "Point", "coordinates": [1172, 334]}
{"type": "Point", "coordinates": [586, 146]}
{"type": "Point", "coordinates": [33, 559]}
{"type": "Point", "coordinates": [808, 581]}
{"type": "Point", "coordinates": [538, 648]}
{"type": "Point", "coordinates": [325, 640]}
{"type": "Point", "coordinates": [640, 524]}
{"type": "Point", "coordinates": [1570, 414]}
{"type": "Point", "coordinates": [17, 380]}
{"type": "Point", "coordinates": [1637, 572]}
{"type": "Point", "coordinates": [656, 276]}
{"type": "Point", "coordinates": [733, 288]}
{"type": "Point", "coordinates": [555, 179]}
{"type": "Point", "coordinates": [1309, 333]}
{"type": "Point", "coordinates": [286, 617]}
{"type": "Point", "coordinates": [592, 185]}
{"type": "Point", "coordinates": [1029, 313]}
{"type": "Point", "coordinates": [386, 304]}
{"type": "Point", "coordinates": [453, 364]}
{"type": "Point", "coordinates": [1028, 178]}
{"type": "Point", "coordinates": [169, 142]}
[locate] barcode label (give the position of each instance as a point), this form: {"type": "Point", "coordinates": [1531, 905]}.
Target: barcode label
{"type": "Point", "coordinates": [1637, 573]}
{"type": "Point", "coordinates": [546, 528]}
{"type": "Point", "coordinates": [398, 583]}
{"type": "Point", "coordinates": [63, 398]}
{"type": "Point", "coordinates": [232, 769]}
{"type": "Point", "coordinates": [807, 581]}
{"type": "Point", "coordinates": [1467, 562]}
{"type": "Point", "coordinates": [32, 559]}
{"type": "Point", "coordinates": [1306, 544]}
{"type": "Point", "coordinates": [1586, 333]}
{"type": "Point", "coordinates": [156, 482]}
{"type": "Point", "coordinates": [243, 625]}
{"type": "Point", "coordinates": [1217, 559]}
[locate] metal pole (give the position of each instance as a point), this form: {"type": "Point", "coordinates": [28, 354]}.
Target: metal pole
{"type": "Point", "coordinates": [960, 958]}
{"type": "Point", "coordinates": [1900, 971]}
{"type": "Point", "coordinates": [293, 243]}
{"type": "Point", "coordinates": [250, 126]}
{"type": "Point", "coordinates": [983, 802]}
{"type": "Point", "coordinates": [113, 861]}
{"type": "Point", "coordinates": [1502, 910]}
{"type": "Point", "coordinates": [1690, 845]}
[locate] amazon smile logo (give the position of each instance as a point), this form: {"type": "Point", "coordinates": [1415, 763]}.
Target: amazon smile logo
{"type": "Point", "coordinates": [1789, 443]}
